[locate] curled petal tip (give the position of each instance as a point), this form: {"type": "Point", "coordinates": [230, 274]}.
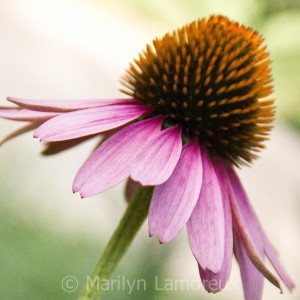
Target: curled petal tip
{"type": "Point", "coordinates": [13, 100]}
{"type": "Point", "coordinates": [162, 240]}
{"type": "Point", "coordinates": [40, 140]}
{"type": "Point", "coordinates": [82, 196]}
{"type": "Point", "coordinates": [85, 194]}
{"type": "Point", "coordinates": [35, 134]}
{"type": "Point", "coordinates": [75, 189]}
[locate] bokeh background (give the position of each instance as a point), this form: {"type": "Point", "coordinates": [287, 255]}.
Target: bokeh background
{"type": "Point", "coordinates": [76, 49]}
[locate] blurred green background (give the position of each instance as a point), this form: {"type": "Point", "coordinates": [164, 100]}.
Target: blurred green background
{"type": "Point", "coordinates": [64, 49]}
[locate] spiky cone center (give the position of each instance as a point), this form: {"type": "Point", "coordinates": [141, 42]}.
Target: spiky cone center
{"type": "Point", "coordinates": [212, 77]}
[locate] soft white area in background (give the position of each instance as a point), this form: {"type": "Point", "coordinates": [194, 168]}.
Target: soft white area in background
{"type": "Point", "coordinates": [77, 49]}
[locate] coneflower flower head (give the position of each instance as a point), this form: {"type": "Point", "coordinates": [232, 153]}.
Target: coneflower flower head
{"type": "Point", "coordinates": [212, 78]}
{"type": "Point", "coordinates": [199, 105]}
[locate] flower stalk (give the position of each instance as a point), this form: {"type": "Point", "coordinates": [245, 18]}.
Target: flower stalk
{"type": "Point", "coordinates": [130, 223]}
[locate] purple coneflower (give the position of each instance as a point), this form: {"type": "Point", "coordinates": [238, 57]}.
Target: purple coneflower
{"type": "Point", "coordinates": [198, 108]}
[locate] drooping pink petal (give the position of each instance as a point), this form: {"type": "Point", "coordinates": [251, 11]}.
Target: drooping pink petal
{"type": "Point", "coordinates": [66, 105]}
{"type": "Point", "coordinates": [206, 224]}
{"type": "Point", "coordinates": [241, 202]}
{"type": "Point", "coordinates": [109, 164]}
{"type": "Point", "coordinates": [255, 229]}
{"type": "Point", "coordinates": [173, 201]}
{"type": "Point", "coordinates": [252, 279]}
{"type": "Point", "coordinates": [18, 114]}
{"type": "Point", "coordinates": [156, 163]}
{"type": "Point", "coordinates": [215, 282]}
{"type": "Point", "coordinates": [19, 131]}
{"type": "Point", "coordinates": [273, 257]}
{"type": "Point", "coordinates": [246, 230]}
{"type": "Point", "coordinates": [88, 121]}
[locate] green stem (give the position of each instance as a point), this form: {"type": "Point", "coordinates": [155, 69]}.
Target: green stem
{"type": "Point", "coordinates": [131, 222]}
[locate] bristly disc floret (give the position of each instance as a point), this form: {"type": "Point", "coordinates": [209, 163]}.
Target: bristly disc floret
{"type": "Point", "coordinates": [212, 78]}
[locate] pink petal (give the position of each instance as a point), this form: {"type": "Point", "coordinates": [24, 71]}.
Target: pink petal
{"type": "Point", "coordinates": [273, 257]}
{"type": "Point", "coordinates": [17, 114]}
{"type": "Point", "coordinates": [66, 105]}
{"type": "Point", "coordinates": [255, 229]}
{"type": "Point", "coordinates": [215, 282]}
{"type": "Point", "coordinates": [252, 279]}
{"type": "Point", "coordinates": [88, 121]}
{"type": "Point", "coordinates": [247, 230]}
{"type": "Point", "coordinates": [108, 165]}
{"type": "Point", "coordinates": [242, 204]}
{"type": "Point", "coordinates": [206, 224]}
{"type": "Point", "coordinates": [174, 200]}
{"type": "Point", "coordinates": [156, 163]}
